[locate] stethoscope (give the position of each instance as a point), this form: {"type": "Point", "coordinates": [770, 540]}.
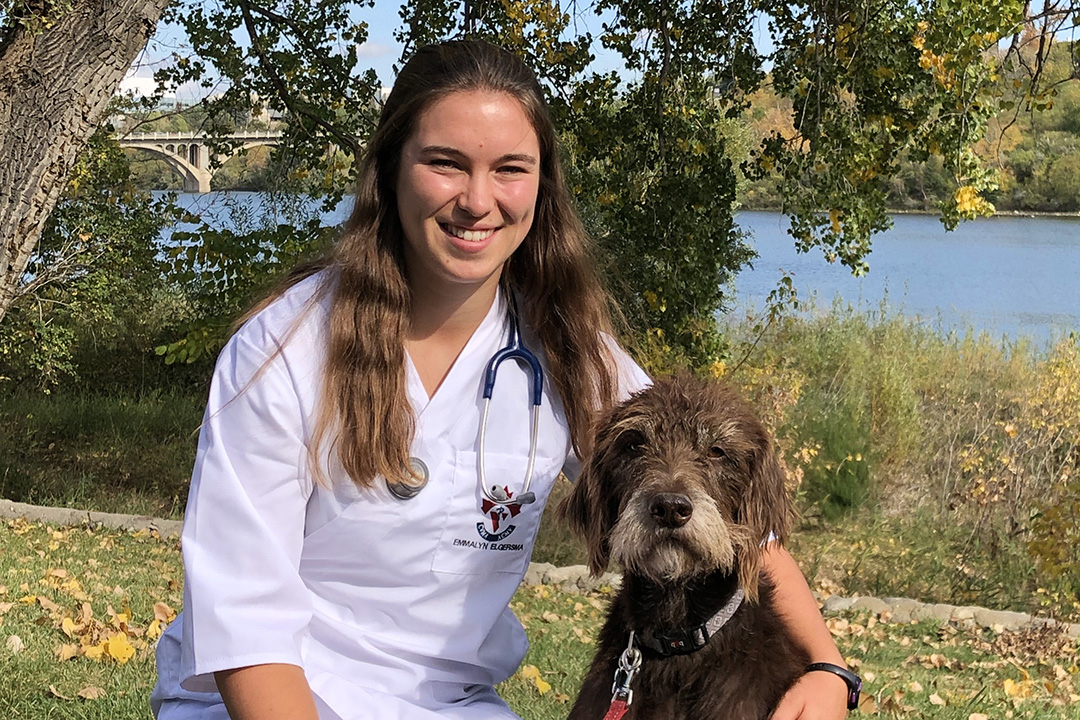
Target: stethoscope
{"type": "Point", "coordinates": [514, 349]}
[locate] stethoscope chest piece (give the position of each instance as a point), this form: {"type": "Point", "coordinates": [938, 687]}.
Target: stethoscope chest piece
{"type": "Point", "coordinates": [407, 491]}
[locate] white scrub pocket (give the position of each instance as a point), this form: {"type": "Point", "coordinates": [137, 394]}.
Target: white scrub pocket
{"type": "Point", "coordinates": [480, 537]}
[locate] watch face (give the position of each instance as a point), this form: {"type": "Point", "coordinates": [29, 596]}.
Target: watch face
{"type": "Point", "coordinates": [854, 690]}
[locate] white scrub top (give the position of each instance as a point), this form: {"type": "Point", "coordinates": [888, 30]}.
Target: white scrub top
{"type": "Point", "coordinates": [393, 608]}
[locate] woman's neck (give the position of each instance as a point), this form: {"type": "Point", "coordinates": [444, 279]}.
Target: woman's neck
{"type": "Point", "coordinates": [440, 327]}
{"type": "Point", "coordinates": [446, 316]}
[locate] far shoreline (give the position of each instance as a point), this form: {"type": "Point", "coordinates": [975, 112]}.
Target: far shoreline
{"type": "Point", "coordinates": [1051, 214]}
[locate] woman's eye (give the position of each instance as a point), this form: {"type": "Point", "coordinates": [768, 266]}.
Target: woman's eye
{"type": "Point", "coordinates": [512, 169]}
{"type": "Point", "coordinates": [442, 163]}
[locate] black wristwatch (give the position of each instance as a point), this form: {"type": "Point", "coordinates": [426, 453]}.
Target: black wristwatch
{"type": "Point", "coordinates": [853, 681]}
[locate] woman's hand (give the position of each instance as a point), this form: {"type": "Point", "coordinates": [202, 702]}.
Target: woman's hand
{"type": "Point", "coordinates": [814, 696]}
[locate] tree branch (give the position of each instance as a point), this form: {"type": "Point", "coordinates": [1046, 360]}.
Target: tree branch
{"type": "Point", "coordinates": [283, 92]}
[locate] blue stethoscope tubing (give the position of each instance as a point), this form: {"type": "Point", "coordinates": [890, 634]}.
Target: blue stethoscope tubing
{"type": "Point", "coordinates": [514, 349]}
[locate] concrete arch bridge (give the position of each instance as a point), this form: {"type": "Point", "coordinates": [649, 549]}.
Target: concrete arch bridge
{"type": "Point", "coordinates": [188, 154]}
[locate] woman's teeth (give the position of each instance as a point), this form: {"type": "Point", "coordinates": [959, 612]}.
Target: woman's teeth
{"type": "Point", "coordinates": [468, 235]}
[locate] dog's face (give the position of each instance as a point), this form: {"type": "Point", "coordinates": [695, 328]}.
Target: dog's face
{"type": "Point", "coordinates": [683, 480]}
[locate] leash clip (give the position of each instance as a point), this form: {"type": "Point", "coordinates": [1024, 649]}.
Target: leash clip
{"type": "Point", "coordinates": [629, 664]}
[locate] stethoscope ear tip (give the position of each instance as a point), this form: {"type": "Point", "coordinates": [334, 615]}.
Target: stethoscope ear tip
{"type": "Point", "coordinates": [525, 498]}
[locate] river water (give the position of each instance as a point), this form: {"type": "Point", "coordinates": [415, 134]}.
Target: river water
{"type": "Point", "coordinates": [1012, 277]}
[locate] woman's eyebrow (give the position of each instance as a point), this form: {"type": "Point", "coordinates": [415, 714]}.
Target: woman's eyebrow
{"type": "Point", "coordinates": [523, 158]}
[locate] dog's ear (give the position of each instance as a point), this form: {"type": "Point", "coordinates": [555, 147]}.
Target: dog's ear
{"type": "Point", "coordinates": [765, 510]}
{"type": "Point", "coordinates": [592, 507]}
{"type": "Point", "coordinates": [588, 513]}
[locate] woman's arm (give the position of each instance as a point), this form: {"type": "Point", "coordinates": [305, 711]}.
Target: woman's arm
{"type": "Point", "coordinates": [816, 695]}
{"type": "Point", "coordinates": [266, 692]}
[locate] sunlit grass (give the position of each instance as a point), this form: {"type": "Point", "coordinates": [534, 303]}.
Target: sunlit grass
{"type": "Point", "coordinates": [920, 670]}
{"type": "Point", "coordinates": [50, 574]}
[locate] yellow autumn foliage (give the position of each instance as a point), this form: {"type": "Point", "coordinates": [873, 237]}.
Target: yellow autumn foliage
{"type": "Point", "coordinates": [532, 673]}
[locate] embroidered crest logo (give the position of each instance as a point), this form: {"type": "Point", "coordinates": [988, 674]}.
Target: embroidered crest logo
{"type": "Point", "coordinates": [498, 515]}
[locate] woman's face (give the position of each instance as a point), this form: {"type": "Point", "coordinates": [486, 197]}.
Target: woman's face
{"type": "Point", "coordinates": [466, 190]}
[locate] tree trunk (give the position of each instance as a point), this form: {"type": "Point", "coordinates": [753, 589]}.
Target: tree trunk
{"type": "Point", "coordinates": [54, 88]}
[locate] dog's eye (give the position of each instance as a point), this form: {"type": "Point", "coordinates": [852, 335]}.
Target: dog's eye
{"type": "Point", "coordinates": [632, 441]}
{"type": "Point", "coordinates": [717, 453]}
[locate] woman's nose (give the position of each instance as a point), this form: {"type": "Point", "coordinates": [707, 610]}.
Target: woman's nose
{"type": "Point", "coordinates": [477, 198]}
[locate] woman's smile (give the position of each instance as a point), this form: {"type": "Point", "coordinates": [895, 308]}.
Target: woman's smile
{"type": "Point", "coordinates": [469, 235]}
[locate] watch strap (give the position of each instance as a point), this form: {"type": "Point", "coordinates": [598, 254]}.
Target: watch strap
{"type": "Point", "coordinates": [853, 681]}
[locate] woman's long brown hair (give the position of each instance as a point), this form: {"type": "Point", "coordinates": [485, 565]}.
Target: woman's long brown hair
{"type": "Point", "coordinates": [364, 406]}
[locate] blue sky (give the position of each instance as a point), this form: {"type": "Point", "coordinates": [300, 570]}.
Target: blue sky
{"type": "Point", "coordinates": [379, 52]}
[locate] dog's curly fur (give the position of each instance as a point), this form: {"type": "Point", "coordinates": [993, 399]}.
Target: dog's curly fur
{"type": "Point", "coordinates": [683, 490]}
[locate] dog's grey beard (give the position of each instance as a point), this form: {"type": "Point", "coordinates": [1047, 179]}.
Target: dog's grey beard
{"type": "Point", "coordinates": [705, 544]}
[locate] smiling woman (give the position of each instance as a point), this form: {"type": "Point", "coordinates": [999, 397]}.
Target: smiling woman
{"type": "Point", "coordinates": [311, 589]}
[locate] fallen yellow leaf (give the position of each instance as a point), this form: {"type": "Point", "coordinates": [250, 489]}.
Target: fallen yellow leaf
{"type": "Point", "coordinates": [936, 699]}
{"type": "Point", "coordinates": [119, 649]}
{"type": "Point", "coordinates": [91, 693]}
{"type": "Point", "coordinates": [164, 613]}
{"type": "Point", "coordinates": [531, 672]}
{"type": "Point", "coordinates": [66, 652]}
{"type": "Point", "coordinates": [1017, 689]}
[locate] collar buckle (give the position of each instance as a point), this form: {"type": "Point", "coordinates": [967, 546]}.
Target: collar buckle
{"type": "Point", "coordinates": [680, 643]}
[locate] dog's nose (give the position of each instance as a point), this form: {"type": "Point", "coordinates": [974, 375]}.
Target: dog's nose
{"type": "Point", "coordinates": [671, 510]}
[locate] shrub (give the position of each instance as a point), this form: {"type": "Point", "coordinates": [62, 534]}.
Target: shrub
{"type": "Point", "coordinates": [891, 419]}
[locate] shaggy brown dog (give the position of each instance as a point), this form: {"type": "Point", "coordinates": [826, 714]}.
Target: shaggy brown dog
{"type": "Point", "coordinates": [682, 490]}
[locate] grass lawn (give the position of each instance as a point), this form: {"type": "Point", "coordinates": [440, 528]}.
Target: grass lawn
{"type": "Point", "coordinates": [79, 609]}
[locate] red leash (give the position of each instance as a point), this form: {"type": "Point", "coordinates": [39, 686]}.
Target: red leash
{"type": "Point", "coordinates": [616, 711]}
{"type": "Point", "coordinates": [621, 694]}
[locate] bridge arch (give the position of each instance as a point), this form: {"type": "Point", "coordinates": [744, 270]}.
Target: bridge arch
{"type": "Point", "coordinates": [196, 179]}
{"type": "Point", "coordinates": [188, 155]}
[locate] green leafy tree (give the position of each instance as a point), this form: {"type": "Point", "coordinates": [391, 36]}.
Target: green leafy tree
{"type": "Point", "coordinates": [654, 152]}
{"type": "Point", "coordinates": [60, 63]}
{"type": "Point", "coordinates": [94, 293]}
